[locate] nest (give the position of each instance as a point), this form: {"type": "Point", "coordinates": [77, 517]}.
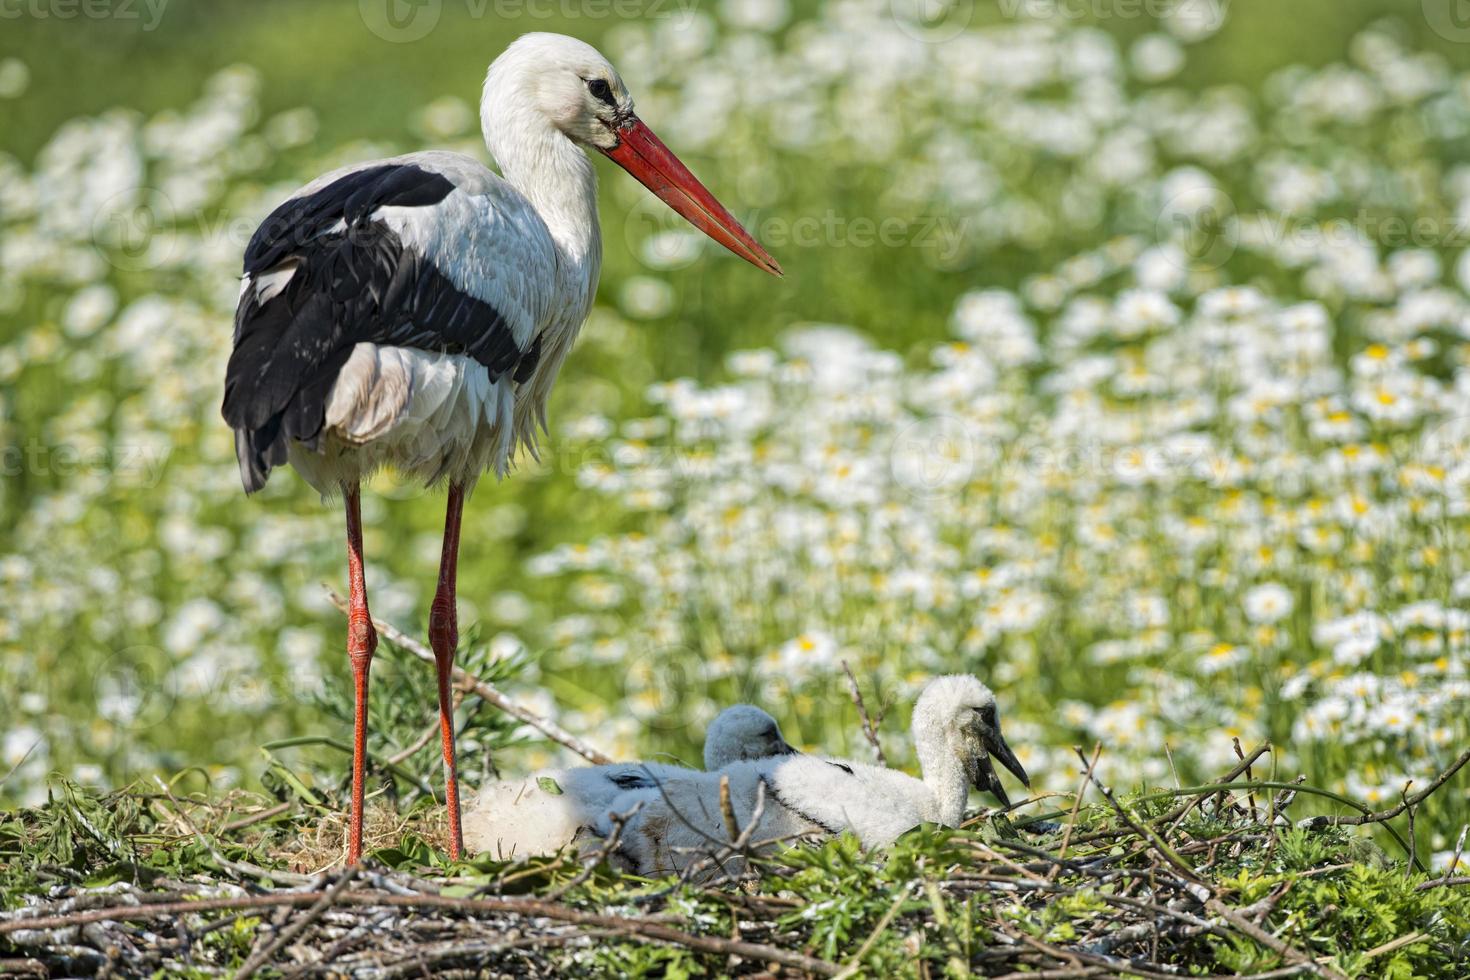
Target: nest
{"type": "Point", "coordinates": [1151, 886]}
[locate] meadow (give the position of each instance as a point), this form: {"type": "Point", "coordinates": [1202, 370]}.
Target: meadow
{"type": "Point", "coordinates": [1123, 360]}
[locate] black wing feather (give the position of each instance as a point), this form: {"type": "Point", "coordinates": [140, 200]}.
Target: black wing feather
{"type": "Point", "coordinates": [354, 282]}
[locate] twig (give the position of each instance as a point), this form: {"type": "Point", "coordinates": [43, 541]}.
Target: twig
{"type": "Point", "coordinates": [1076, 807]}
{"type": "Point", "coordinates": [1459, 849]}
{"type": "Point", "coordinates": [421, 741]}
{"type": "Point", "coordinates": [1424, 886]}
{"type": "Point", "coordinates": [870, 728]}
{"type": "Point", "coordinates": [591, 861]}
{"type": "Point", "coordinates": [1394, 944]}
{"type": "Point", "coordinates": [1287, 952]}
{"type": "Point", "coordinates": [1210, 789]}
{"type": "Point", "coordinates": [741, 845]}
{"type": "Point", "coordinates": [484, 689]}
{"type": "Point", "coordinates": [263, 955]}
{"type": "Point", "coordinates": [1314, 823]}
{"type": "Point", "coordinates": [644, 929]}
{"type": "Point", "coordinates": [19, 762]}
{"type": "Point", "coordinates": [727, 810]}
{"type": "Point", "coordinates": [1250, 795]}
{"type": "Point", "coordinates": [396, 768]}
{"type": "Point", "coordinates": [255, 818]}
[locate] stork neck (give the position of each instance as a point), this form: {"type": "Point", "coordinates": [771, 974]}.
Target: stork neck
{"type": "Point", "coordinates": [555, 175]}
{"type": "Point", "coordinates": [944, 774]}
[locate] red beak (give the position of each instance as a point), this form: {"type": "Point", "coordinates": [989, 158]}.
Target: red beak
{"type": "Point", "coordinates": [644, 156]}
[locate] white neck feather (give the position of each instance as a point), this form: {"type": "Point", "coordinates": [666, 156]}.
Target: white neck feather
{"type": "Point", "coordinates": [943, 769]}
{"type": "Point", "coordinates": [554, 174]}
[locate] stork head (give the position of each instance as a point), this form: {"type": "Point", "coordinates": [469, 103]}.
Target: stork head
{"type": "Point", "coordinates": [956, 718]}
{"type": "Point", "coordinates": [558, 81]}
{"type": "Point", "coordinates": [742, 732]}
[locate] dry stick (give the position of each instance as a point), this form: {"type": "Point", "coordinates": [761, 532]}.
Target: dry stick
{"type": "Point", "coordinates": [1413, 838]}
{"type": "Point", "coordinates": [637, 928]}
{"type": "Point", "coordinates": [1142, 831]}
{"type": "Point", "coordinates": [1112, 964]}
{"type": "Point", "coordinates": [1394, 944]}
{"type": "Point", "coordinates": [740, 845]}
{"type": "Point", "coordinates": [255, 818]}
{"type": "Point", "coordinates": [1281, 948]}
{"type": "Point", "coordinates": [1314, 823]}
{"type": "Point", "coordinates": [263, 955]}
{"type": "Point", "coordinates": [352, 937]}
{"type": "Point", "coordinates": [1250, 794]}
{"type": "Point", "coordinates": [870, 730]}
{"type": "Point", "coordinates": [727, 810]}
{"type": "Point", "coordinates": [1169, 754]}
{"type": "Point", "coordinates": [484, 689]}
{"type": "Point", "coordinates": [420, 962]}
{"type": "Point", "coordinates": [987, 851]}
{"type": "Point", "coordinates": [1424, 886]}
{"type": "Point", "coordinates": [423, 739]}
{"type": "Point", "coordinates": [1076, 806]}
{"type": "Point", "coordinates": [1459, 849]}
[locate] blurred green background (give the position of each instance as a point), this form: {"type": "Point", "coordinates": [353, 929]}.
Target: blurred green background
{"type": "Point", "coordinates": [362, 87]}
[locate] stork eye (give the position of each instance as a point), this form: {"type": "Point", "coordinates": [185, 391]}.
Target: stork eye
{"type": "Point", "coordinates": [601, 91]}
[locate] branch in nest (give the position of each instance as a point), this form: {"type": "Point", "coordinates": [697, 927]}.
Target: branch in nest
{"type": "Point", "coordinates": [1313, 823]}
{"type": "Point", "coordinates": [870, 725]}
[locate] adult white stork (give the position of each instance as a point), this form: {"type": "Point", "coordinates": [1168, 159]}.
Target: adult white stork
{"type": "Point", "coordinates": [415, 311]}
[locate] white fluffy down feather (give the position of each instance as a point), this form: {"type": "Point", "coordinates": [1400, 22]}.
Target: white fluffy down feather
{"type": "Point", "coordinates": [542, 813]}
{"type": "Point", "coordinates": [956, 732]}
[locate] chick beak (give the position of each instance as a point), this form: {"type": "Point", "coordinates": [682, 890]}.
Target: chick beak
{"type": "Point", "coordinates": [983, 777]}
{"type": "Point", "coordinates": [995, 744]}
{"type": "Point", "coordinates": [982, 773]}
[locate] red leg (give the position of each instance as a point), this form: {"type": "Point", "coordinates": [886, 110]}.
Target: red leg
{"type": "Point", "coordinates": [362, 640]}
{"type": "Point", "coordinates": [444, 638]}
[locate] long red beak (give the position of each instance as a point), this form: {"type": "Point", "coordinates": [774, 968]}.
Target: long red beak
{"type": "Point", "coordinates": [644, 156]}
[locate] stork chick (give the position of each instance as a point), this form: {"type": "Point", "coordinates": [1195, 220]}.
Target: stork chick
{"type": "Point", "coordinates": [543, 813]}
{"type": "Point", "coordinates": [956, 731]}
